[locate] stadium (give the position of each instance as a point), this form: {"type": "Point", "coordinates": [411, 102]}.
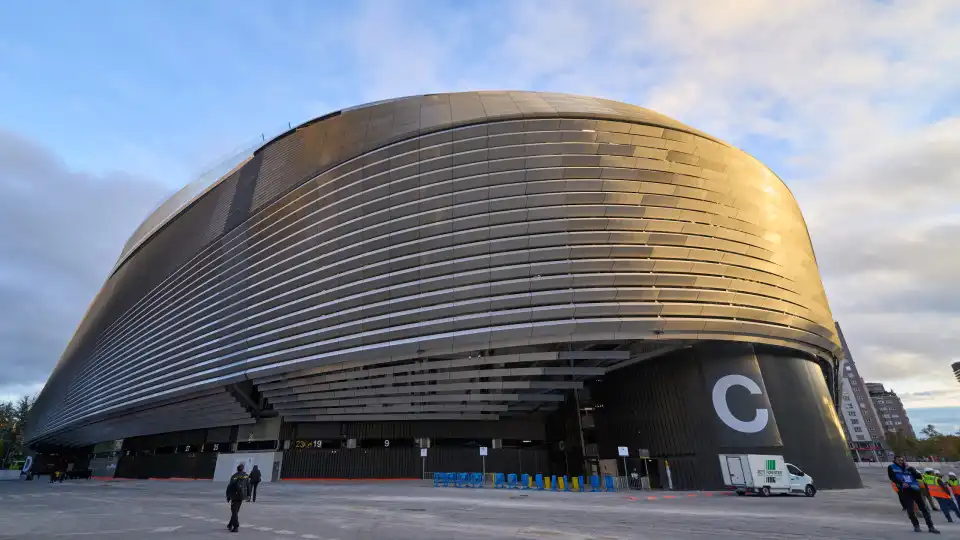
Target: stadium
{"type": "Point", "coordinates": [386, 290]}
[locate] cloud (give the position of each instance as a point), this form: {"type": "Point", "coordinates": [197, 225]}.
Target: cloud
{"type": "Point", "coordinates": [885, 223]}
{"type": "Point", "coordinates": [945, 419]}
{"type": "Point", "coordinates": [62, 231]}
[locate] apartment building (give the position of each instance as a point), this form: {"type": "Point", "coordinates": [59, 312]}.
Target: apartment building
{"type": "Point", "coordinates": [892, 414]}
{"type": "Point", "coordinates": [862, 424]}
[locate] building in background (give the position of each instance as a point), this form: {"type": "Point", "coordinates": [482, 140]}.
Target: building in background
{"type": "Point", "coordinates": [865, 433]}
{"type": "Point", "coordinates": [890, 409]}
{"type": "Point", "coordinates": [514, 282]}
{"type": "Point", "coordinates": [956, 370]}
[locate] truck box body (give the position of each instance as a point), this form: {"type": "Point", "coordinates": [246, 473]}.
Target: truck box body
{"type": "Point", "coordinates": [751, 472]}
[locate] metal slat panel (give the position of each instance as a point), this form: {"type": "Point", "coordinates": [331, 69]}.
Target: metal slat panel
{"type": "Point", "coordinates": [445, 225]}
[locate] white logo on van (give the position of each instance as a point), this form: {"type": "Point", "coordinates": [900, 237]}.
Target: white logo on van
{"type": "Point", "coordinates": [723, 409]}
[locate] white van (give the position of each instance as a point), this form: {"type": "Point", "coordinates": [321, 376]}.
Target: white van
{"type": "Point", "coordinates": [766, 475]}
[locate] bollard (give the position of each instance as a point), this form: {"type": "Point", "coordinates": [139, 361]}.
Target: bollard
{"type": "Point", "coordinates": [576, 484]}
{"type": "Point", "coordinates": [609, 481]}
{"type": "Point", "coordinates": [524, 481]}
{"type": "Point", "coordinates": [594, 483]}
{"type": "Point", "coordinates": [553, 482]}
{"type": "Point", "coordinates": [539, 481]}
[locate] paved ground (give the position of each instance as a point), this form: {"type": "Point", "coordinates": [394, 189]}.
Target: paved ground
{"type": "Point", "coordinates": [153, 510]}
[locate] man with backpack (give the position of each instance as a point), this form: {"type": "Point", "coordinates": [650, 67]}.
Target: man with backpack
{"type": "Point", "coordinates": [254, 482]}
{"type": "Point", "coordinates": [237, 490]}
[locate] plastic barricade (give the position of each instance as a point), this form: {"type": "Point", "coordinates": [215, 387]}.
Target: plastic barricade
{"type": "Point", "coordinates": [512, 481]}
{"type": "Point", "coordinates": [576, 483]}
{"type": "Point", "coordinates": [449, 479]}
{"type": "Point", "coordinates": [553, 482]}
{"type": "Point", "coordinates": [582, 486]}
{"type": "Point", "coordinates": [462, 479]}
{"type": "Point", "coordinates": [564, 484]}
{"type": "Point", "coordinates": [437, 479]}
{"type": "Point", "coordinates": [476, 480]}
{"type": "Point", "coordinates": [524, 481]}
{"type": "Point", "coordinates": [610, 483]}
{"type": "Point", "coordinates": [499, 481]}
{"type": "Point", "coordinates": [594, 483]}
{"type": "Point", "coordinates": [539, 481]}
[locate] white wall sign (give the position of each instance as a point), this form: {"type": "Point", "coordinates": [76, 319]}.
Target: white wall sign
{"type": "Point", "coordinates": [622, 451]}
{"type": "Point", "coordinates": [423, 452]}
{"type": "Point", "coordinates": [483, 450]}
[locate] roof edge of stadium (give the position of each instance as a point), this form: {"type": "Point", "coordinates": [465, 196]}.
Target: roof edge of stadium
{"type": "Point", "coordinates": [134, 245]}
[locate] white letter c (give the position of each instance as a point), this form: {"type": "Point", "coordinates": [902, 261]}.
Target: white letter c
{"type": "Point", "coordinates": [723, 409]}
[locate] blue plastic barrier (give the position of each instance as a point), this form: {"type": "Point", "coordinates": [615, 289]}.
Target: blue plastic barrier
{"type": "Point", "coordinates": [583, 487]}
{"type": "Point", "coordinates": [609, 482]}
{"type": "Point", "coordinates": [524, 481]}
{"type": "Point", "coordinates": [462, 479]}
{"type": "Point", "coordinates": [539, 481]}
{"type": "Point", "coordinates": [476, 480]}
{"type": "Point", "coordinates": [566, 484]}
{"type": "Point", "coordinates": [553, 482]}
{"type": "Point", "coordinates": [437, 479]}
{"type": "Point", "coordinates": [512, 481]}
{"type": "Point", "coordinates": [499, 481]}
{"type": "Point", "coordinates": [449, 479]}
{"type": "Point", "coordinates": [594, 483]}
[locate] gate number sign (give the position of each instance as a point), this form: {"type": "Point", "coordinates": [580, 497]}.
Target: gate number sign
{"type": "Point", "coordinates": [622, 451]}
{"type": "Point", "coordinates": [483, 450]}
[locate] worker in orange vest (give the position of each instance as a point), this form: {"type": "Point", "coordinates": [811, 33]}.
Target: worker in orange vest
{"type": "Point", "coordinates": [943, 492]}
{"type": "Point", "coordinates": [954, 486]}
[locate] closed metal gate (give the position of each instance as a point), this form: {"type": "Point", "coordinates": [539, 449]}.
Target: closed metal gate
{"type": "Point", "coordinates": [352, 463]}
{"type": "Point", "coordinates": [182, 465]}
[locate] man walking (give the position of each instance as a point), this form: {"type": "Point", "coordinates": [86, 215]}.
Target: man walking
{"type": "Point", "coordinates": [254, 482]}
{"type": "Point", "coordinates": [908, 489]}
{"type": "Point", "coordinates": [237, 491]}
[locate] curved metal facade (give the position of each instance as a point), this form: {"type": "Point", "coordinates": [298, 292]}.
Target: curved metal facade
{"type": "Point", "coordinates": [386, 261]}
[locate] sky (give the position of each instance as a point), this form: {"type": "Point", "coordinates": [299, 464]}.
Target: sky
{"type": "Point", "coordinates": [107, 108]}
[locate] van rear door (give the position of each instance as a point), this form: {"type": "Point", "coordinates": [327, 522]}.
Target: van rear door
{"type": "Point", "coordinates": [735, 469]}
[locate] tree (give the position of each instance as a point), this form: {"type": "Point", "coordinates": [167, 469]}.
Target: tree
{"type": "Point", "coordinates": [903, 444]}
{"type": "Point", "coordinates": [21, 413]}
{"type": "Point", "coordinates": [930, 432]}
{"type": "Point", "coordinates": [13, 426]}
{"type": "Point", "coordinates": [7, 421]}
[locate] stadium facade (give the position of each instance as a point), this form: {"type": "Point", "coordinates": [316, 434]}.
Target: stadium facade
{"type": "Point", "coordinates": [551, 277]}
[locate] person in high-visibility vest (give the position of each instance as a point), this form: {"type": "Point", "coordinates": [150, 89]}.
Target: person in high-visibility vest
{"type": "Point", "coordinates": [929, 479]}
{"type": "Point", "coordinates": [954, 484]}
{"type": "Point", "coordinates": [905, 483]}
{"type": "Point", "coordinates": [942, 491]}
